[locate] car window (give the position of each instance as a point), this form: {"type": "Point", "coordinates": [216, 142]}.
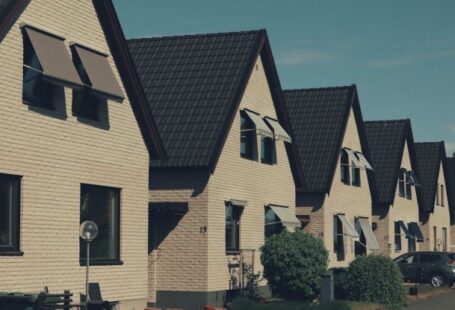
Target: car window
{"type": "Point", "coordinates": [406, 259]}
{"type": "Point", "coordinates": [428, 258]}
{"type": "Point", "coordinates": [451, 256]}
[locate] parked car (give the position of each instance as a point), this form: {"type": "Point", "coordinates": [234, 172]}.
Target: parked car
{"type": "Point", "coordinates": [436, 268]}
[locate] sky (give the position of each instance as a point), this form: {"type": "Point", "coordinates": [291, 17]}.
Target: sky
{"type": "Point", "coordinates": [399, 53]}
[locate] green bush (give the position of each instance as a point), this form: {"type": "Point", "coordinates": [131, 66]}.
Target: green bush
{"type": "Point", "coordinates": [375, 279]}
{"type": "Point", "coordinates": [293, 264]}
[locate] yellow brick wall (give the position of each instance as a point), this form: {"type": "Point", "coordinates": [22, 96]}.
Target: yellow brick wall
{"type": "Point", "coordinates": [440, 218]}
{"type": "Point", "coordinates": [353, 201]}
{"type": "Point", "coordinates": [188, 260]}
{"type": "Point", "coordinates": [402, 210]}
{"type": "Point", "coordinates": [238, 178]}
{"type": "Point", "coordinates": [55, 155]}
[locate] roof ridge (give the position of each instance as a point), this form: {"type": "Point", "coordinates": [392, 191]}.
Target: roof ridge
{"type": "Point", "coordinates": [200, 35]}
{"type": "Point", "coordinates": [319, 88]}
{"type": "Point", "coordinates": [388, 120]}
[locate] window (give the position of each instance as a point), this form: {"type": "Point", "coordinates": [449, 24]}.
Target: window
{"type": "Point", "coordinates": [408, 187]}
{"type": "Point", "coordinates": [437, 196]}
{"type": "Point", "coordinates": [85, 102]}
{"type": "Point", "coordinates": [411, 244]}
{"type": "Point", "coordinates": [360, 245]}
{"type": "Point", "coordinates": [401, 183]}
{"type": "Point", "coordinates": [267, 150]}
{"type": "Point", "coordinates": [407, 259]}
{"type": "Point", "coordinates": [397, 236]}
{"type": "Point", "coordinates": [233, 214]}
{"type": "Point", "coordinates": [355, 175]}
{"type": "Point", "coordinates": [435, 238]}
{"type": "Point", "coordinates": [428, 258]}
{"type": "Point", "coordinates": [36, 91]}
{"type": "Point", "coordinates": [9, 214]}
{"type": "Point", "coordinates": [273, 223]}
{"type": "Point", "coordinates": [247, 137]}
{"type": "Point", "coordinates": [444, 239]}
{"type": "Point", "coordinates": [338, 240]}
{"type": "Point", "coordinates": [442, 195]}
{"type": "Point", "coordinates": [344, 162]}
{"type": "Point", "coordinates": [101, 205]}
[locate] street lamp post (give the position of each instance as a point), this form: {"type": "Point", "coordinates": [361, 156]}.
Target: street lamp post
{"type": "Point", "coordinates": [88, 232]}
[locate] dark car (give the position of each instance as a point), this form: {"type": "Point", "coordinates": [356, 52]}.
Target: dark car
{"type": "Point", "coordinates": [436, 268]}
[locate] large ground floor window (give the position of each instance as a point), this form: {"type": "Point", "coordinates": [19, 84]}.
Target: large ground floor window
{"type": "Point", "coordinates": [101, 205]}
{"type": "Point", "coordinates": [273, 225]}
{"type": "Point", "coordinates": [233, 214]}
{"type": "Point", "coordinates": [9, 213]}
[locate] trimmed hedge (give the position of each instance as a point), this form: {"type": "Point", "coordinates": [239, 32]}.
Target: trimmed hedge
{"type": "Point", "coordinates": [293, 264]}
{"type": "Point", "coordinates": [375, 279]}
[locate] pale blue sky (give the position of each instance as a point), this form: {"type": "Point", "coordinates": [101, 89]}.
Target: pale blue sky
{"type": "Point", "coordinates": [401, 54]}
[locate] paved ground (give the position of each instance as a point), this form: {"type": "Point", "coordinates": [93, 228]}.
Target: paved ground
{"type": "Point", "coordinates": [443, 302]}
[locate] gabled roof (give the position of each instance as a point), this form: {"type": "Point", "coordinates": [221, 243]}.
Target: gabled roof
{"type": "Point", "coordinates": [429, 156]}
{"type": "Point", "coordinates": [386, 141]}
{"type": "Point", "coordinates": [449, 172]}
{"type": "Point", "coordinates": [118, 47]}
{"type": "Point", "coordinates": [319, 117]}
{"type": "Point", "coordinates": [195, 83]}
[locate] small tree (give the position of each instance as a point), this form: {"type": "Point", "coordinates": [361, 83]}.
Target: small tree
{"type": "Point", "coordinates": [294, 264]}
{"type": "Point", "coordinates": [376, 279]}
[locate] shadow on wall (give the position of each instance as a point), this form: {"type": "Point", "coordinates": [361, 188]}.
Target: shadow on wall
{"type": "Point", "coordinates": [194, 179]}
{"type": "Point", "coordinates": [313, 201]}
{"type": "Point", "coordinates": [160, 226]}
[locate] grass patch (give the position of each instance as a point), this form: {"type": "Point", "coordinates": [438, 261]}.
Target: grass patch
{"type": "Point", "coordinates": [245, 304]}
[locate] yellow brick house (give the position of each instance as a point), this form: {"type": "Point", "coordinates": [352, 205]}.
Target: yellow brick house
{"type": "Point", "coordinates": [396, 207]}
{"type": "Point", "coordinates": [228, 183]}
{"type": "Point", "coordinates": [434, 209]}
{"type": "Point", "coordinates": [334, 201]}
{"type": "Point", "coordinates": [449, 172]}
{"type": "Point", "coordinates": [76, 137]}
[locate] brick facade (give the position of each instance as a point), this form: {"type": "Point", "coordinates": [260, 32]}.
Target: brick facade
{"type": "Point", "coordinates": [54, 153]}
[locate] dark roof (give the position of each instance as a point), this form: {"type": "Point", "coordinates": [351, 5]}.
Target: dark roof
{"type": "Point", "coordinates": [195, 83]}
{"type": "Point", "coordinates": [429, 156]}
{"type": "Point", "coordinates": [449, 171]}
{"type": "Point", "coordinates": [319, 118]}
{"type": "Point", "coordinates": [386, 141]}
{"type": "Point", "coordinates": [119, 49]}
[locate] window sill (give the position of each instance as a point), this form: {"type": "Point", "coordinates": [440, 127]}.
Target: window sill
{"type": "Point", "coordinates": [11, 253]}
{"type": "Point", "coordinates": [110, 262]}
{"type": "Point", "coordinates": [232, 253]}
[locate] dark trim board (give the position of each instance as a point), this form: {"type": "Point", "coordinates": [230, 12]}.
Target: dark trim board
{"type": "Point", "coordinates": [187, 300]}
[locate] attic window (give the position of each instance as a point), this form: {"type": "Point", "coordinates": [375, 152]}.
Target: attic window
{"type": "Point", "coordinates": [247, 138]}
{"type": "Point", "coordinates": [350, 167]}
{"type": "Point", "coordinates": [97, 73]}
{"type": "Point", "coordinates": [406, 180]}
{"type": "Point", "coordinates": [47, 66]}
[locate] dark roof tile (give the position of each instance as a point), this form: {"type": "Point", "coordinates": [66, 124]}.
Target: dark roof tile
{"type": "Point", "coordinates": [429, 158]}
{"type": "Point", "coordinates": [192, 83]}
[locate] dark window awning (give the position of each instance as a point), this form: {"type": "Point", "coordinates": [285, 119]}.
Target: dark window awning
{"type": "Point", "coordinates": [259, 123]}
{"type": "Point", "coordinates": [171, 208]}
{"type": "Point", "coordinates": [287, 218]}
{"type": "Point", "coordinates": [99, 72]}
{"type": "Point", "coordinates": [365, 226]}
{"type": "Point", "coordinates": [348, 227]}
{"type": "Point", "coordinates": [278, 130]}
{"type": "Point", "coordinates": [56, 63]}
{"type": "Point", "coordinates": [415, 232]}
{"type": "Point", "coordinates": [412, 179]}
{"type": "Point", "coordinates": [364, 163]}
{"type": "Point", "coordinates": [404, 228]}
{"type": "Point", "coordinates": [353, 160]}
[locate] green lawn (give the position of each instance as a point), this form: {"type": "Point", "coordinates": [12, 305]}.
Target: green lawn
{"type": "Point", "coordinates": [244, 304]}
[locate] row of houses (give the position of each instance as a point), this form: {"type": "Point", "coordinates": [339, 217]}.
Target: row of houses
{"type": "Point", "coordinates": [188, 154]}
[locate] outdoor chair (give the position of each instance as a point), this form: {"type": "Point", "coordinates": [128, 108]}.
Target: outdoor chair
{"type": "Point", "coordinates": [96, 301]}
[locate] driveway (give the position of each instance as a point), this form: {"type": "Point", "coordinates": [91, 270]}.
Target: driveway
{"type": "Point", "coordinates": [443, 302]}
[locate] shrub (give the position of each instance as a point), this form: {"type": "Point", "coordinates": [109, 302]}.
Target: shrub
{"type": "Point", "coordinates": [293, 264]}
{"type": "Point", "coordinates": [375, 279]}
